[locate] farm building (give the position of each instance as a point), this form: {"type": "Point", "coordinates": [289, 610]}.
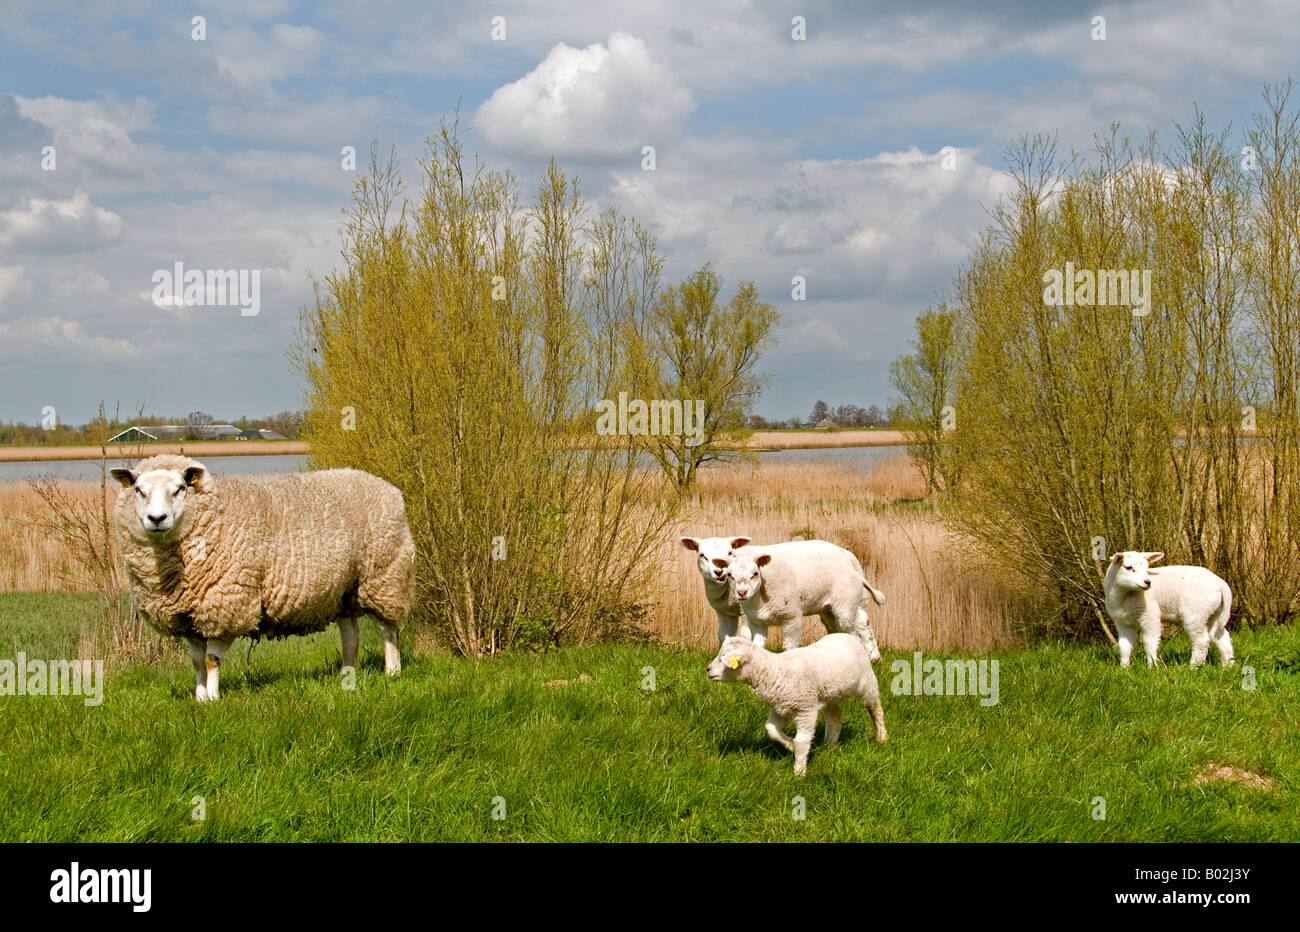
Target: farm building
{"type": "Point", "coordinates": [132, 435]}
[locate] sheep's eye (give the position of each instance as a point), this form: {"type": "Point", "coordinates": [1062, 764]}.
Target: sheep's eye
{"type": "Point", "coordinates": [139, 491]}
{"type": "Point", "coordinates": [1129, 568]}
{"type": "Point", "coordinates": [179, 491]}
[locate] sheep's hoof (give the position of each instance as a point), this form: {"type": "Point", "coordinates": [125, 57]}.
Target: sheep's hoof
{"type": "Point", "coordinates": [201, 694]}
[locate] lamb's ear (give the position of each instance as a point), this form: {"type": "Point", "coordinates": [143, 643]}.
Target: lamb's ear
{"type": "Point", "coordinates": [1117, 559]}
{"type": "Point", "coordinates": [194, 475]}
{"type": "Point", "coordinates": [690, 543]}
{"type": "Point", "coordinates": [124, 476]}
{"type": "Point", "coordinates": [1153, 557]}
{"type": "Point", "coordinates": [738, 542]}
{"type": "Point", "coordinates": [763, 559]}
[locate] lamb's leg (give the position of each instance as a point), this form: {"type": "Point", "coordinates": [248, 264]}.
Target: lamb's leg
{"type": "Point", "coordinates": [792, 633]}
{"type": "Point", "coordinates": [217, 648]}
{"type": "Point", "coordinates": [1200, 641]}
{"type": "Point", "coordinates": [832, 724]}
{"type": "Point", "coordinates": [392, 659]}
{"type": "Point", "coordinates": [351, 636]}
{"type": "Point", "coordinates": [1151, 638]}
{"type": "Point", "coordinates": [1126, 634]}
{"type": "Point", "coordinates": [1223, 644]}
{"type": "Point", "coordinates": [868, 636]}
{"type": "Point", "coordinates": [805, 724]}
{"type": "Point", "coordinates": [198, 650]}
{"type": "Point", "coordinates": [871, 699]}
{"type": "Point", "coordinates": [729, 626]}
{"type": "Point", "coordinates": [774, 725]}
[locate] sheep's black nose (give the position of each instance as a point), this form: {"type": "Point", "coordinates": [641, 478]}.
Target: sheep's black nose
{"type": "Point", "coordinates": [157, 519]}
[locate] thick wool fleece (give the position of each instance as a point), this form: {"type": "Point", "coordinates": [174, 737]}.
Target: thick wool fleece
{"type": "Point", "coordinates": [271, 556]}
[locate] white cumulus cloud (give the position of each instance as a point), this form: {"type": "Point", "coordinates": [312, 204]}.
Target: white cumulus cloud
{"type": "Point", "coordinates": [603, 100]}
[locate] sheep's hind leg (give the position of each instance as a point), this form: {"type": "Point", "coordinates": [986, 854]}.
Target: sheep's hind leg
{"type": "Point", "coordinates": [392, 659]}
{"type": "Point", "coordinates": [1223, 644]}
{"type": "Point", "coordinates": [832, 724]}
{"type": "Point", "coordinates": [217, 648]}
{"type": "Point", "coordinates": [774, 725]}
{"type": "Point", "coordinates": [198, 650]}
{"type": "Point", "coordinates": [805, 724]}
{"type": "Point", "coordinates": [350, 635]}
{"type": "Point", "coordinates": [1200, 643]}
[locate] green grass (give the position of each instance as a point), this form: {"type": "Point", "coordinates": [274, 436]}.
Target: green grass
{"type": "Point", "coordinates": [288, 755]}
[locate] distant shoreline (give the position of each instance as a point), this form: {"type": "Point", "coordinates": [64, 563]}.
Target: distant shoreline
{"type": "Point", "coordinates": [118, 451]}
{"type": "Point", "coordinates": [760, 441]}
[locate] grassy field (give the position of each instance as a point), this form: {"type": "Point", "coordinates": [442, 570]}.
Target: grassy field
{"type": "Point", "coordinates": [288, 755]}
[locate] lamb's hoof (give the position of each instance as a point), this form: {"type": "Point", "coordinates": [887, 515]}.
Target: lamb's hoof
{"type": "Point", "coordinates": [201, 694]}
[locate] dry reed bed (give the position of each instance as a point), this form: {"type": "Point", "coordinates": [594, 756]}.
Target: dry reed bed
{"type": "Point", "coordinates": [939, 593]}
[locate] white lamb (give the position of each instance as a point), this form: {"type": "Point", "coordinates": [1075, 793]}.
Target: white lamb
{"type": "Point", "coordinates": [824, 580]}
{"type": "Point", "coordinates": [1139, 598]}
{"type": "Point", "coordinates": [715, 555]}
{"type": "Point", "coordinates": [800, 682]}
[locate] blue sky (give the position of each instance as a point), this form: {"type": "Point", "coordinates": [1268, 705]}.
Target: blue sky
{"type": "Point", "coordinates": [775, 157]}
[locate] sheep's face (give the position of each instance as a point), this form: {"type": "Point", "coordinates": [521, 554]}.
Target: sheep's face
{"type": "Point", "coordinates": [1133, 569]}
{"type": "Point", "coordinates": [729, 665]}
{"type": "Point", "coordinates": [159, 495]}
{"type": "Point", "coordinates": [714, 553]}
{"type": "Point", "coordinates": [746, 575]}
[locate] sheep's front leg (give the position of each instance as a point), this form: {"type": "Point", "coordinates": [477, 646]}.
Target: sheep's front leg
{"type": "Point", "coordinates": [792, 633]}
{"type": "Point", "coordinates": [729, 626]}
{"type": "Point", "coordinates": [775, 723]}
{"type": "Point", "coordinates": [1151, 638]}
{"type": "Point", "coordinates": [1126, 634]}
{"type": "Point", "coordinates": [805, 724]}
{"type": "Point", "coordinates": [350, 634]}
{"type": "Point", "coordinates": [832, 724]}
{"type": "Point", "coordinates": [198, 650]}
{"type": "Point", "coordinates": [392, 659]}
{"type": "Point", "coordinates": [217, 648]}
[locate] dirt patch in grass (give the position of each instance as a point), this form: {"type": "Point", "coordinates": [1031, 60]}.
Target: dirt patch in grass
{"type": "Point", "coordinates": [1213, 772]}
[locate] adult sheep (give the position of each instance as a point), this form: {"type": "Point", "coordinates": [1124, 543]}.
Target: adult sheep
{"type": "Point", "coordinates": [212, 560]}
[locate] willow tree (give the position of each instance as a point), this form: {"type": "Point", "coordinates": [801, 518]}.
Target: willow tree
{"type": "Point", "coordinates": [455, 353]}
{"type": "Point", "coordinates": [692, 350]}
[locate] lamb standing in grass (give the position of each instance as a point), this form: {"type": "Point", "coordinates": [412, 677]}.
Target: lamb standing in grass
{"type": "Point", "coordinates": [212, 560]}
{"type": "Point", "coordinates": [825, 580]}
{"type": "Point", "coordinates": [800, 682]}
{"type": "Point", "coordinates": [1139, 598]}
{"type": "Point", "coordinates": [714, 558]}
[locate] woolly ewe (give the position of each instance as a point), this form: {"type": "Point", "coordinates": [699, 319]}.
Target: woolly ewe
{"type": "Point", "coordinates": [212, 560]}
{"type": "Point", "coordinates": [800, 682]}
{"type": "Point", "coordinates": [1139, 598]}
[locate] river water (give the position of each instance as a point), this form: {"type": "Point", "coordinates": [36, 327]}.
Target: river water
{"type": "Point", "coordinates": [856, 457]}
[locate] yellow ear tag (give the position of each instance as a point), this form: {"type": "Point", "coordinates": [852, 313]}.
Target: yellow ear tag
{"type": "Point", "coordinates": [734, 662]}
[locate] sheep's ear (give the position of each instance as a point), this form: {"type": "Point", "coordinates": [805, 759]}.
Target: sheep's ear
{"type": "Point", "coordinates": [1117, 559]}
{"type": "Point", "coordinates": [690, 543]}
{"type": "Point", "coordinates": [763, 559]}
{"type": "Point", "coordinates": [124, 476]}
{"type": "Point", "coordinates": [193, 475]}
{"type": "Point", "coordinates": [738, 542]}
{"type": "Point", "coordinates": [1153, 557]}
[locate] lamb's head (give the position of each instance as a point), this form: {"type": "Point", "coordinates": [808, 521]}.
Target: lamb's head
{"type": "Point", "coordinates": [1132, 569]}
{"type": "Point", "coordinates": [159, 487]}
{"type": "Point", "coordinates": [714, 552]}
{"type": "Point", "coordinates": [729, 665]}
{"type": "Point", "coordinates": [746, 574]}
